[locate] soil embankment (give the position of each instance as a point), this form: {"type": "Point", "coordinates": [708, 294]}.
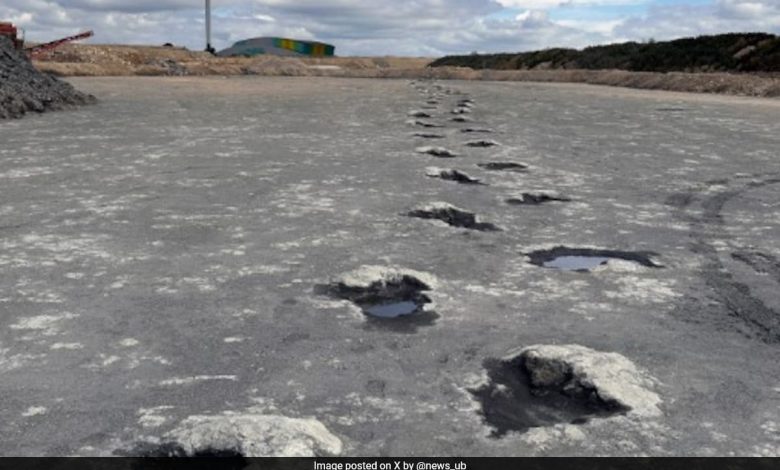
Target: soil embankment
{"type": "Point", "coordinates": [113, 60]}
{"type": "Point", "coordinates": [24, 89]}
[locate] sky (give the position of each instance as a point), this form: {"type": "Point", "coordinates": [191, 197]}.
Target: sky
{"type": "Point", "coordinates": [394, 27]}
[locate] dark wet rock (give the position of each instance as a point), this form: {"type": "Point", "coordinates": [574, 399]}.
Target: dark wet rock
{"type": "Point", "coordinates": [451, 175]}
{"type": "Point", "coordinates": [166, 450]}
{"type": "Point", "coordinates": [461, 119]}
{"type": "Point", "coordinates": [419, 114]}
{"type": "Point", "coordinates": [439, 152]}
{"type": "Point", "coordinates": [549, 384]}
{"type": "Point", "coordinates": [427, 135]}
{"type": "Point", "coordinates": [24, 89]}
{"type": "Point", "coordinates": [503, 166]}
{"type": "Point", "coordinates": [452, 216]}
{"type": "Point", "coordinates": [532, 199]}
{"type": "Point", "coordinates": [376, 387]}
{"type": "Point", "coordinates": [481, 143]}
{"type": "Point", "coordinates": [585, 259]}
{"type": "Point", "coordinates": [476, 130]}
{"type": "Point", "coordinates": [417, 122]}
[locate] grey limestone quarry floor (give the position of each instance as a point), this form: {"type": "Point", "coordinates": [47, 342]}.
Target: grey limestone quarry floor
{"type": "Point", "coordinates": [160, 254]}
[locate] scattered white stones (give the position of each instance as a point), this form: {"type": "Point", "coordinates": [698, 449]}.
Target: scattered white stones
{"type": "Point", "coordinates": [129, 343]}
{"type": "Point", "coordinates": [66, 346]}
{"type": "Point", "coordinates": [195, 379]}
{"type": "Point", "coordinates": [46, 325]}
{"type": "Point", "coordinates": [35, 411]}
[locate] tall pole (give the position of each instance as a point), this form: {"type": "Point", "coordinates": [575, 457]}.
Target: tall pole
{"type": "Point", "coordinates": [208, 27]}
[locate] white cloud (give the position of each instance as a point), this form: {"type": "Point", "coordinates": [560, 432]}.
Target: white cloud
{"type": "Point", "coordinates": [379, 27]}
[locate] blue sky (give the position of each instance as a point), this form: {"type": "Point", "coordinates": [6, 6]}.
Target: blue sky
{"type": "Point", "coordinates": [399, 27]}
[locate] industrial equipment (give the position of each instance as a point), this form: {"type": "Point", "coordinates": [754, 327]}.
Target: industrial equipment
{"type": "Point", "coordinates": [39, 49]}
{"type": "Point", "coordinates": [9, 30]}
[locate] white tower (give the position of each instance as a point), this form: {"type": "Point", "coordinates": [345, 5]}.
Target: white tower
{"type": "Point", "coordinates": [208, 27]}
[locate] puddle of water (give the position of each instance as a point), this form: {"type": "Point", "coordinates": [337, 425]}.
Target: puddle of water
{"type": "Point", "coordinates": [586, 259]}
{"type": "Point", "coordinates": [397, 305]}
{"type": "Point", "coordinates": [392, 310]}
{"type": "Point", "coordinates": [576, 263]}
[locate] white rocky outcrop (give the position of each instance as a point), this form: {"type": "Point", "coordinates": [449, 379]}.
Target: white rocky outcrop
{"type": "Point", "coordinates": [366, 276]}
{"type": "Point", "coordinates": [255, 435]}
{"type": "Point", "coordinates": [574, 368]}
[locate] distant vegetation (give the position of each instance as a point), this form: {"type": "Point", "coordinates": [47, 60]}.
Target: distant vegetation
{"type": "Point", "coordinates": [737, 52]}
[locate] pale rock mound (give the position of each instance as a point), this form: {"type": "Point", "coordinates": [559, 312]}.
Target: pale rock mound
{"type": "Point", "coordinates": [368, 276]}
{"type": "Point", "coordinates": [254, 435]}
{"type": "Point", "coordinates": [577, 370]}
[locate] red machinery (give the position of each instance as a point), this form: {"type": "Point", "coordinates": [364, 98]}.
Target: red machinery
{"type": "Point", "coordinates": [41, 48]}
{"type": "Point", "coordinates": [8, 29]}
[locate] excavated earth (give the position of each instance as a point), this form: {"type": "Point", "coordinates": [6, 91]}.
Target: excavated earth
{"type": "Point", "coordinates": [24, 89]}
{"type": "Point", "coordinates": [212, 266]}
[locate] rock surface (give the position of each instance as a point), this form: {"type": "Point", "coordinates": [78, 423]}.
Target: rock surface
{"type": "Point", "coordinates": [254, 435]}
{"type": "Point", "coordinates": [367, 276]}
{"type": "Point", "coordinates": [23, 89]}
{"type": "Point", "coordinates": [578, 370]}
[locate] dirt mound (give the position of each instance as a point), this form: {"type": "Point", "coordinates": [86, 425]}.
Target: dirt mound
{"type": "Point", "coordinates": [24, 89]}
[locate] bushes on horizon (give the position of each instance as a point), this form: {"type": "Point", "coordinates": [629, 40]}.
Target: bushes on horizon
{"type": "Point", "coordinates": [733, 52]}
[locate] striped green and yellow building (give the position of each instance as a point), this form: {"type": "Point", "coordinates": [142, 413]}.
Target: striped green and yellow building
{"type": "Point", "coordinates": [279, 46]}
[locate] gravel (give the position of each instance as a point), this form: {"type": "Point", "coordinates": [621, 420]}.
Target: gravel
{"type": "Point", "coordinates": [24, 89]}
